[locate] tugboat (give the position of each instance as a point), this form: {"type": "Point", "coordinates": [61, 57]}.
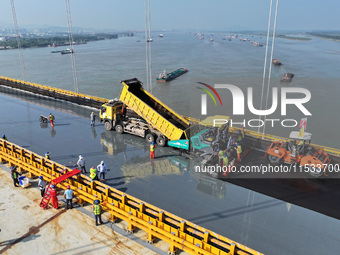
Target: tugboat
{"type": "Point", "coordinates": [276, 62]}
{"type": "Point", "coordinates": [287, 77]}
{"type": "Point", "coordinates": [165, 77]}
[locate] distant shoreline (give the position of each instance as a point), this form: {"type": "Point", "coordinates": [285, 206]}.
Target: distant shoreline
{"type": "Point", "coordinates": [326, 38]}
{"type": "Point", "coordinates": [296, 38]}
{"type": "Point", "coordinates": [288, 37]}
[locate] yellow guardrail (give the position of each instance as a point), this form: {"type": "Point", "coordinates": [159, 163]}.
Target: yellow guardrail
{"type": "Point", "coordinates": [179, 233]}
{"type": "Point", "coordinates": [60, 91]}
{"type": "Point", "coordinates": [268, 137]}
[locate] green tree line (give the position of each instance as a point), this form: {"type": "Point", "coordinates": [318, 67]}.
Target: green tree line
{"type": "Point", "coordinates": [44, 41]}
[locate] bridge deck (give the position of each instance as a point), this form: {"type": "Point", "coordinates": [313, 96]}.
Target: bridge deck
{"type": "Point", "coordinates": [243, 215]}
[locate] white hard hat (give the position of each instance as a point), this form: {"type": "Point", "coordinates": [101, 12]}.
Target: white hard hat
{"type": "Point", "coordinates": [80, 156]}
{"type": "Point", "coordinates": [102, 162]}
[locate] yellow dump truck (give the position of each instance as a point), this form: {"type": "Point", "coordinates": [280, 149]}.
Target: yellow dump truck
{"type": "Point", "coordinates": [140, 113]}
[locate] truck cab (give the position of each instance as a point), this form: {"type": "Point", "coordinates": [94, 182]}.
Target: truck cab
{"type": "Point", "coordinates": [111, 113]}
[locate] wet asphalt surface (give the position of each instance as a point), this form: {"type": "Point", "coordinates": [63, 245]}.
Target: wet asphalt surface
{"type": "Point", "coordinates": [255, 219]}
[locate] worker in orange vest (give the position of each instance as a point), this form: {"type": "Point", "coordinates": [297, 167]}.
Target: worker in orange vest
{"type": "Point", "coordinates": [152, 150]}
{"type": "Point", "coordinates": [54, 198]}
{"type": "Point", "coordinates": [51, 117]}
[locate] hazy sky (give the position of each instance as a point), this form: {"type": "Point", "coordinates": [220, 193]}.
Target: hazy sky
{"type": "Point", "coordinates": [176, 14]}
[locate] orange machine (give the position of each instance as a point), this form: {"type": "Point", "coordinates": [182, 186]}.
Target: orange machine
{"type": "Point", "coordinates": [299, 151]}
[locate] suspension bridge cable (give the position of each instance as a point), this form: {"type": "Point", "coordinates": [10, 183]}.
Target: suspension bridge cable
{"type": "Point", "coordinates": [150, 67]}
{"type": "Point", "coordinates": [265, 59]}
{"type": "Point", "coordinates": [146, 46]}
{"type": "Point", "coordinates": [23, 69]}
{"type": "Point", "coordinates": [270, 67]}
{"type": "Point", "coordinates": [73, 57]}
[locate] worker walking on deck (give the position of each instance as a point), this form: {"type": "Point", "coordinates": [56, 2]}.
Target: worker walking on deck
{"type": "Point", "coordinates": [42, 185]}
{"type": "Point", "coordinates": [15, 176]}
{"type": "Point", "coordinates": [97, 210]}
{"type": "Point", "coordinates": [68, 194]}
{"type": "Point", "coordinates": [152, 150]}
{"type": "Point", "coordinates": [4, 137]}
{"type": "Point", "coordinates": [81, 164]}
{"type": "Point", "coordinates": [51, 118]}
{"type": "Point", "coordinates": [102, 169]}
{"type": "Point", "coordinates": [93, 119]}
{"type": "Point", "coordinates": [47, 155]}
{"type": "Point", "coordinates": [239, 151]}
{"type": "Point", "coordinates": [54, 197]}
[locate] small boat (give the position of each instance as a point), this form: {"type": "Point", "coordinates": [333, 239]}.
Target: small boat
{"type": "Point", "coordinates": [276, 62]}
{"type": "Point", "coordinates": [67, 51]}
{"type": "Point", "coordinates": [257, 44]}
{"type": "Point", "coordinates": [287, 77]}
{"type": "Point", "coordinates": [165, 77]}
{"type": "Point", "coordinates": [160, 35]}
{"type": "Point", "coordinates": [149, 40]}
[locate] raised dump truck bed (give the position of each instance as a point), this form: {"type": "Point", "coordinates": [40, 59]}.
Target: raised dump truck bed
{"type": "Point", "coordinates": [153, 111]}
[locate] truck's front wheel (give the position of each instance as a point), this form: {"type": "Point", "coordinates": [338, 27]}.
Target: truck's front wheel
{"type": "Point", "coordinates": [108, 125]}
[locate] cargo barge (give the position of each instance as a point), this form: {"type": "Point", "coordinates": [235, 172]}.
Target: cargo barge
{"type": "Point", "coordinates": [165, 77]}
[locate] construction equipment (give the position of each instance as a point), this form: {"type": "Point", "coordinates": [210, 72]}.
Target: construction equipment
{"type": "Point", "coordinates": [139, 113]}
{"type": "Point", "coordinates": [47, 196]}
{"type": "Point", "coordinates": [43, 119]}
{"type": "Point", "coordinates": [206, 137]}
{"type": "Point", "coordinates": [299, 151]}
{"type": "Point", "coordinates": [147, 116]}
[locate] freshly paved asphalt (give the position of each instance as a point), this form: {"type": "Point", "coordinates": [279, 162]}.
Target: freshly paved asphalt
{"type": "Point", "coordinates": [255, 219]}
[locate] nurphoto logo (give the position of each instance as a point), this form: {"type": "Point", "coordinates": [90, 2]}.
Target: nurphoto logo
{"type": "Point", "coordinates": [238, 107]}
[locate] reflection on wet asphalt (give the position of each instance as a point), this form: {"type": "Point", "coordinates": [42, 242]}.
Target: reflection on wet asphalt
{"type": "Point", "coordinates": [263, 223]}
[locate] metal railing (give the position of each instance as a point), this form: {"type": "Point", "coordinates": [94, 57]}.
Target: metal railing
{"type": "Point", "coordinates": [179, 233]}
{"type": "Point", "coordinates": [27, 85]}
